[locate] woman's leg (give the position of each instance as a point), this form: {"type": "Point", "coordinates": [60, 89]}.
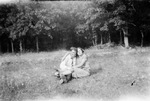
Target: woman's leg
{"type": "Point", "coordinates": [65, 78]}
{"type": "Point", "coordinates": [69, 77]}
{"type": "Point", "coordinates": [78, 72]}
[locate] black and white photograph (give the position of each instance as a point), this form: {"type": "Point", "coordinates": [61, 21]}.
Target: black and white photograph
{"type": "Point", "coordinates": [74, 50]}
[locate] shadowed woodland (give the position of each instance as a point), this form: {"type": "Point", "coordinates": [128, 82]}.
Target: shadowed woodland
{"type": "Point", "coordinates": [44, 26]}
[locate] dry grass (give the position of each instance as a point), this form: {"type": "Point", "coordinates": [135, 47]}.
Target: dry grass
{"type": "Point", "coordinates": [115, 72]}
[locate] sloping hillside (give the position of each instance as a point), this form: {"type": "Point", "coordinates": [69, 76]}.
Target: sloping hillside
{"type": "Point", "coordinates": [115, 72]}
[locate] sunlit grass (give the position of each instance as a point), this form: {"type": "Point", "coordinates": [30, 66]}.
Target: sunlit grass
{"type": "Point", "coordinates": [114, 72]}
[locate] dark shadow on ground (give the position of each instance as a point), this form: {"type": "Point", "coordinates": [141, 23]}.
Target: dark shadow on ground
{"type": "Point", "coordinates": [95, 71]}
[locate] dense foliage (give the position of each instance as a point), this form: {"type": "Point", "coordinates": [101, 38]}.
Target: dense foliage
{"type": "Point", "coordinates": [41, 26]}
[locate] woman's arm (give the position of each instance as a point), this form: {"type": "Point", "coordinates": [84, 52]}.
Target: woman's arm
{"type": "Point", "coordinates": [81, 63]}
{"type": "Point", "coordinates": [64, 63]}
{"type": "Point", "coordinates": [65, 56]}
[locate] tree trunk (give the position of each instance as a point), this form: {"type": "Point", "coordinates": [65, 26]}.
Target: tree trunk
{"type": "Point", "coordinates": [0, 48]}
{"type": "Point", "coordinates": [20, 46]}
{"type": "Point", "coordinates": [7, 47]}
{"type": "Point", "coordinates": [12, 46]}
{"type": "Point", "coordinates": [120, 38]}
{"type": "Point", "coordinates": [93, 42]}
{"type": "Point", "coordinates": [142, 36]}
{"type": "Point", "coordinates": [96, 39]}
{"type": "Point", "coordinates": [37, 44]}
{"type": "Point", "coordinates": [101, 39]}
{"type": "Point", "coordinates": [109, 38]}
{"type": "Point", "coordinates": [126, 40]}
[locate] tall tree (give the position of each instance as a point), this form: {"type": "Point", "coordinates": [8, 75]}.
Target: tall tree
{"type": "Point", "coordinates": [11, 25]}
{"type": "Point", "coordinates": [123, 12]}
{"type": "Point", "coordinates": [40, 21]}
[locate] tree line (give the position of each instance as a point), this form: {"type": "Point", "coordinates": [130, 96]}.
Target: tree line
{"type": "Point", "coordinates": [42, 26]}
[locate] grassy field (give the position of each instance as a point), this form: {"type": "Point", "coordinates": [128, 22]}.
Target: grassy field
{"type": "Point", "coordinates": [115, 72]}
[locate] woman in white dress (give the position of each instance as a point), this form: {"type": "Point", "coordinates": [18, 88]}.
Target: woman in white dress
{"type": "Point", "coordinates": [68, 61]}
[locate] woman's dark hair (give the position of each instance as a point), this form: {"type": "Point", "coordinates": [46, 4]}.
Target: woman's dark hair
{"type": "Point", "coordinates": [81, 49]}
{"type": "Point", "coordinates": [73, 48]}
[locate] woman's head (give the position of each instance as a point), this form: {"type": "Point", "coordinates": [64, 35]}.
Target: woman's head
{"type": "Point", "coordinates": [73, 52]}
{"type": "Point", "coordinates": [80, 51]}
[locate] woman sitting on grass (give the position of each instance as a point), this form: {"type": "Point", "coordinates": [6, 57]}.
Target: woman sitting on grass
{"type": "Point", "coordinates": [74, 64]}
{"type": "Point", "coordinates": [68, 61]}
{"type": "Point", "coordinates": [82, 67]}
